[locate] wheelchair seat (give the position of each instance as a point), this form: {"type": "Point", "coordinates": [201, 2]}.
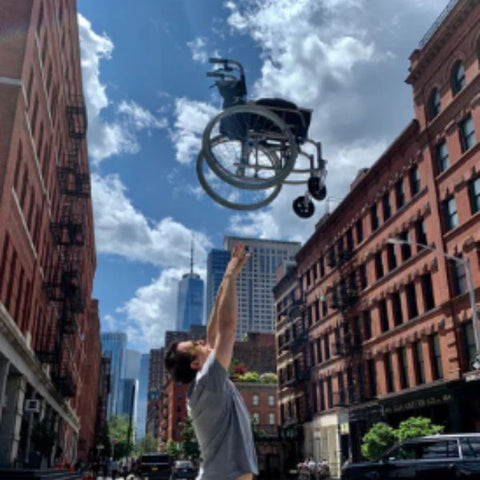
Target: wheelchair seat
{"type": "Point", "coordinates": [297, 118]}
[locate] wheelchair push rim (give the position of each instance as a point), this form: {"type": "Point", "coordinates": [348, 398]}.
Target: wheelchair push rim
{"type": "Point", "coordinates": [251, 133]}
{"type": "Point", "coordinates": [228, 203]}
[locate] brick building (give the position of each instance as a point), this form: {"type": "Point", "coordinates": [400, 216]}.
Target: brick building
{"type": "Point", "coordinates": [372, 329]}
{"type": "Point", "coordinates": [47, 254]}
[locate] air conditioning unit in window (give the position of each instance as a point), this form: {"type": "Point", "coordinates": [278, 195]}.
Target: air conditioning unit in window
{"type": "Point", "coordinates": [32, 405]}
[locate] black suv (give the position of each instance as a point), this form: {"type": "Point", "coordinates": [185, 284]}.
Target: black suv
{"type": "Point", "coordinates": [436, 457]}
{"type": "Point", "coordinates": [155, 466]}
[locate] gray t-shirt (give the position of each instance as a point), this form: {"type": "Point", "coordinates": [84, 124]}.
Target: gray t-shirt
{"type": "Point", "coordinates": [222, 424]}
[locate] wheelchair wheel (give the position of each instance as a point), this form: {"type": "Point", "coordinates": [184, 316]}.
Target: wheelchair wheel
{"type": "Point", "coordinates": [316, 188]}
{"type": "Point", "coordinates": [303, 207]}
{"type": "Point", "coordinates": [256, 199]}
{"type": "Point", "coordinates": [249, 134]}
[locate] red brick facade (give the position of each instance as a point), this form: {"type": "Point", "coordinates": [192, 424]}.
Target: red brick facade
{"type": "Point", "coordinates": [47, 252]}
{"type": "Point", "coordinates": [382, 330]}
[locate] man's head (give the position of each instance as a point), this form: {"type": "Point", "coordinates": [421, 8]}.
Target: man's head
{"type": "Point", "coordinates": [184, 359]}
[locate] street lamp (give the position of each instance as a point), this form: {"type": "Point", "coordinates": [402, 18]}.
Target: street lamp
{"type": "Point", "coordinates": [471, 290]}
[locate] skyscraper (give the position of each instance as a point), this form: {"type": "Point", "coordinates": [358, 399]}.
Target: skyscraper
{"type": "Point", "coordinates": [142, 396]}
{"type": "Point", "coordinates": [114, 346]}
{"type": "Point", "coordinates": [256, 280]}
{"type": "Point", "coordinates": [189, 302]}
{"type": "Point", "coordinates": [216, 263]}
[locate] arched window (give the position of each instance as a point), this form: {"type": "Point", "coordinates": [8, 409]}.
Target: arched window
{"type": "Point", "coordinates": [458, 77]}
{"type": "Point", "coordinates": [434, 104]}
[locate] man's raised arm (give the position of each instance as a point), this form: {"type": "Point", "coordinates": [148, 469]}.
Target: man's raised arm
{"type": "Point", "coordinates": [225, 310]}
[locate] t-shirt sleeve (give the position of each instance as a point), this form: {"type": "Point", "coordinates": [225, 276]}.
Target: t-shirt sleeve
{"type": "Point", "coordinates": [212, 375]}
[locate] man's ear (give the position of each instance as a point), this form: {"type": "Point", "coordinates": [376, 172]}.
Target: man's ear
{"type": "Point", "coordinates": [195, 365]}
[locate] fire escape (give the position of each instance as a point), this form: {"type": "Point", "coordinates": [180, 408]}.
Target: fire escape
{"type": "Point", "coordinates": [348, 342]}
{"type": "Point", "coordinates": [63, 278]}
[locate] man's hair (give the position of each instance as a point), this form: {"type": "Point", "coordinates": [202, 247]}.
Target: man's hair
{"type": "Point", "coordinates": [179, 364]}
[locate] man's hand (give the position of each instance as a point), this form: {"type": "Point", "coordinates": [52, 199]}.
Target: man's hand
{"type": "Point", "coordinates": [237, 260]}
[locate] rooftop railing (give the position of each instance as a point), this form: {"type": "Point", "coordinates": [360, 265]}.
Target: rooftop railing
{"type": "Point", "coordinates": [431, 31]}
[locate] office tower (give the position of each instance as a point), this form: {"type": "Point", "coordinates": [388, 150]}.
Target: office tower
{"type": "Point", "coordinates": [142, 396]}
{"type": "Point", "coordinates": [216, 263]}
{"type": "Point", "coordinates": [47, 251]}
{"type": "Point", "coordinates": [114, 346]}
{"type": "Point", "coordinates": [131, 364]}
{"type": "Point", "coordinates": [256, 280]}
{"type": "Point", "coordinates": [189, 302]}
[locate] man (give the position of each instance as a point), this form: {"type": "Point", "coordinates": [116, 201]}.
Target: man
{"type": "Point", "coordinates": [219, 415]}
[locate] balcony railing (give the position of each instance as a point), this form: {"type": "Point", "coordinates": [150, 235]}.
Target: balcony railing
{"type": "Point", "coordinates": [431, 31]}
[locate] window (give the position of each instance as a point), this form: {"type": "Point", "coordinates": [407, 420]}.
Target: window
{"type": "Point", "coordinates": [474, 189]}
{"type": "Point", "coordinates": [256, 418]}
{"type": "Point", "coordinates": [271, 419]}
{"type": "Point", "coordinates": [341, 389]}
{"type": "Point", "coordinates": [437, 450]}
{"type": "Point", "coordinates": [467, 133]}
{"type": "Point", "coordinates": [403, 367]}
{"type": "Point", "coordinates": [322, 267]}
{"type": "Point", "coordinates": [434, 104]}
{"type": "Point", "coordinates": [411, 300]}
{"type": "Point", "coordinates": [326, 346]}
{"type": "Point", "coordinates": [397, 309]}
{"type": "Point", "coordinates": [441, 156]}
{"type": "Point", "coordinates": [391, 257]}
{"type": "Point", "coordinates": [382, 310]}
{"type": "Point", "coordinates": [470, 447]}
{"type": "Point", "coordinates": [271, 400]}
{"type": "Point", "coordinates": [418, 364]}
{"type": "Point", "coordinates": [459, 277]}
{"type": "Point", "coordinates": [399, 194]}
{"type": "Point", "coordinates": [367, 324]}
{"type": "Point", "coordinates": [450, 214]}
{"type": "Point", "coordinates": [405, 248]}
{"type": "Point", "coordinates": [421, 232]}
{"type": "Point", "coordinates": [372, 378]}
{"type": "Point", "coordinates": [427, 290]}
{"type": "Point", "coordinates": [387, 359]}
{"type": "Point", "coordinates": [379, 265]}
{"type": "Point", "coordinates": [469, 348]}
{"type": "Point", "coordinates": [373, 217]}
{"type": "Point", "coordinates": [458, 80]}
{"type": "Point", "coordinates": [363, 276]}
{"type": "Point", "coordinates": [435, 356]}
{"type": "Point", "coordinates": [359, 229]}
{"type": "Point", "coordinates": [322, 394]}
{"type": "Point", "coordinates": [387, 210]}
{"type": "Point", "coordinates": [255, 400]}
{"type": "Point", "coordinates": [349, 240]}
{"type": "Point", "coordinates": [414, 181]}
{"type": "Point", "coordinates": [329, 392]}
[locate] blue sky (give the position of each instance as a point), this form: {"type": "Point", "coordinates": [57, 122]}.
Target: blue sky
{"type": "Point", "coordinates": [148, 101]}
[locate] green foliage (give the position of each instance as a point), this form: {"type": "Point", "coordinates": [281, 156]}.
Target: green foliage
{"type": "Point", "coordinates": [43, 437]}
{"type": "Point", "coordinates": [382, 436]}
{"type": "Point", "coordinates": [189, 447]}
{"type": "Point", "coordinates": [416, 427]}
{"type": "Point", "coordinates": [172, 448]}
{"type": "Point", "coordinates": [249, 377]}
{"type": "Point", "coordinates": [122, 446]}
{"type": "Point", "coordinates": [268, 377]}
{"type": "Point", "coordinates": [378, 439]}
{"type": "Point", "coordinates": [147, 444]}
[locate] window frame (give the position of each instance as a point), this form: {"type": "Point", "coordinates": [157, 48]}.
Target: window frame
{"type": "Point", "coordinates": [458, 82]}
{"type": "Point", "coordinates": [474, 194]}
{"type": "Point", "coordinates": [450, 215]}
{"type": "Point", "coordinates": [442, 158]}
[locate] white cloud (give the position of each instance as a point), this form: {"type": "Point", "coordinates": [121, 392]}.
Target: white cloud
{"type": "Point", "coordinates": [108, 138]}
{"type": "Point", "coordinates": [121, 229]}
{"type": "Point", "coordinates": [191, 119]}
{"type": "Point", "coordinates": [198, 48]}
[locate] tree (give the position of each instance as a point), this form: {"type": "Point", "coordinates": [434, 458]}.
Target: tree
{"type": "Point", "coordinates": [147, 444]}
{"type": "Point", "coordinates": [189, 447]}
{"type": "Point", "coordinates": [382, 436]}
{"type": "Point", "coordinates": [378, 439]}
{"type": "Point", "coordinates": [249, 377]}
{"type": "Point", "coordinates": [416, 427]}
{"type": "Point", "coordinates": [268, 377]}
{"type": "Point", "coordinates": [172, 449]}
{"type": "Point", "coordinates": [122, 446]}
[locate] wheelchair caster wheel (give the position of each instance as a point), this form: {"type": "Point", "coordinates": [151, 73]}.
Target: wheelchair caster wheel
{"type": "Point", "coordinates": [316, 188]}
{"type": "Point", "coordinates": [303, 207]}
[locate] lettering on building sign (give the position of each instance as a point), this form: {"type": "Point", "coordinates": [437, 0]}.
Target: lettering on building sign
{"type": "Point", "coordinates": [419, 403]}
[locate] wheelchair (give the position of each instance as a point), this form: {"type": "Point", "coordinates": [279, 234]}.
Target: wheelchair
{"type": "Point", "coordinates": [258, 146]}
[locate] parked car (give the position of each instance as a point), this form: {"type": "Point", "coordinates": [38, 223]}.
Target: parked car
{"type": "Point", "coordinates": [155, 466]}
{"type": "Point", "coordinates": [183, 469]}
{"type": "Point", "coordinates": [436, 457]}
